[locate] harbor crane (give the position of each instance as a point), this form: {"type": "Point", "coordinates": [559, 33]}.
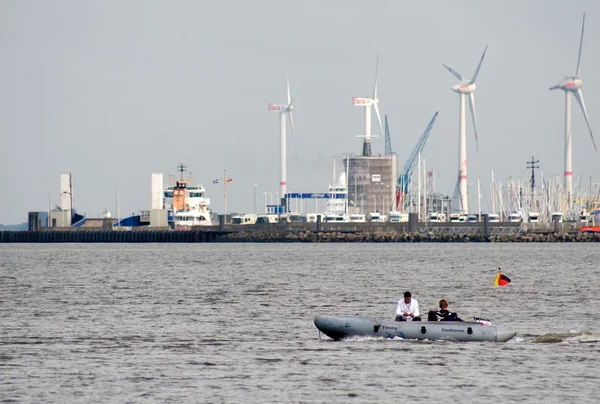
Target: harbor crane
{"type": "Point", "coordinates": [402, 192]}
{"type": "Point", "coordinates": [388, 140]}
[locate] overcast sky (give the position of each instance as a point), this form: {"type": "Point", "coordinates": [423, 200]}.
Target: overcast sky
{"type": "Point", "coordinates": [113, 91]}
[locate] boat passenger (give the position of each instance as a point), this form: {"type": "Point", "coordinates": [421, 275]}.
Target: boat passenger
{"type": "Point", "coordinates": [407, 309]}
{"type": "Point", "coordinates": [443, 314]}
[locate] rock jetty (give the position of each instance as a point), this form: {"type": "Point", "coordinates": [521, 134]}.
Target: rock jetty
{"type": "Point", "coordinates": [393, 237]}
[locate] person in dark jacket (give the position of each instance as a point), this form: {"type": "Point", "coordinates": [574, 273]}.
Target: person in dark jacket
{"type": "Point", "coordinates": [443, 314]}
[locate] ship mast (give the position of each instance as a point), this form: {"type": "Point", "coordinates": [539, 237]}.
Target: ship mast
{"type": "Point", "coordinates": [181, 168]}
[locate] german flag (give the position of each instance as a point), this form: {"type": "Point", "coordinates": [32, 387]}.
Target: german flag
{"type": "Point", "coordinates": [501, 280]}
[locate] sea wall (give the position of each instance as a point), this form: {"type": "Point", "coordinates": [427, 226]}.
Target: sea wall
{"type": "Point", "coordinates": [393, 237]}
{"type": "Point", "coordinates": [99, 236]}
{"type": "Point", "coordinates": [285, 236]}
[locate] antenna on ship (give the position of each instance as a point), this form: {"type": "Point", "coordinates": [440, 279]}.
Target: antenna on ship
{"type": "Point", "coordinates": [181, 168]}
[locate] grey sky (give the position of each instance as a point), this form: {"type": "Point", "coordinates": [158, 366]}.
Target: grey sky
{"type": "Point", "coordinates": [113, 91]}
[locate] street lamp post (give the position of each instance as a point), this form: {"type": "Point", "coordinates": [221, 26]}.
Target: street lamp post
{"type": "Point", "coordinates": [469, 192]}
{"type": "Point", "coordinates": [254, 200]}
{"type": "Point", "coordinates": [265, 195]}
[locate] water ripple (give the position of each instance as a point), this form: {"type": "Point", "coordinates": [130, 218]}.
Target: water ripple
{"type": "Point", "coordinates": [233, 323]}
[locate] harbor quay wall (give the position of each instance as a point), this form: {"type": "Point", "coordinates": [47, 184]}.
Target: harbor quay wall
{"type": "Point", "coordinates": [311, 232]}
{"type": "Point", "coordinates": [100, 236]}
{"type": "Point", "coordinates": [478, 228]}
{"type": "Point", "coordinates": [393, 237]}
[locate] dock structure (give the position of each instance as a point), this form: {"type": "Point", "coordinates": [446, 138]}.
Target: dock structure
{"type": "Point", "coordinates": [100, 236]}
{"type": "Point", "coordinates": [310, 232]}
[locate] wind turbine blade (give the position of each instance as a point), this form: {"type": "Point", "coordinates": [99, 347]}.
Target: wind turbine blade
{"type": "Point", "coordinates": [378, 117]}
{"type": "Point", "coordinates": [579, 97]}
{"type": "Point", "coordinates": [376, 73]}
{"type": "Point", "coordinates": [288, 88]}
{"type": "Point", "coordinates": [479, 65]}
{"type": "Point", "coordinates": [291, 115]}
{"type": "Point", "coordinates": [580, 47]}
{"type": "Point", "coordinates": [375, 90]}
{"type": "Point", "coordinates": [472, 105]}
{"type": "Point", "coordinates": [454, 72]}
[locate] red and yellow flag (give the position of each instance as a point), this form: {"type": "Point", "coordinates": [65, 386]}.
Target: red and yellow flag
{"type": "Point", "coordinates": [501, 280]}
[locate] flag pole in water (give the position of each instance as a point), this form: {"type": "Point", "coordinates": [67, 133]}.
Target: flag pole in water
{"type": "Point", "coordinates": [500, 280]}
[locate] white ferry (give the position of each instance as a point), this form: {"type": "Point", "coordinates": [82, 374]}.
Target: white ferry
{"type": "Point", "coordinates": [337, 206]}
{"type": "Point", "coordinates": [187, 202]}
{"type": "Point", "coordinates": [335, 209]}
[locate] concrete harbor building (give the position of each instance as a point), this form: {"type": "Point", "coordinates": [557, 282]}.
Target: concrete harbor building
{"type": "Point", "coordinates": [371, 183]}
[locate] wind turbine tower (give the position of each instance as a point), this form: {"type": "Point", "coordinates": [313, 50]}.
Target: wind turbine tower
{"type": "Point", "coordinates": [466, 87]}
{"type": "Point", "coordinates": [371, 180]}
{"type": "Point", "coordinates": [572, 85]}
{"type": "Point", "coordinates": [367, 103]}
{"type": "Point", "coordinates": [283, 111]}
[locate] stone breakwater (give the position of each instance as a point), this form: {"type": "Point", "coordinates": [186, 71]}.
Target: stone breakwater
{"type": "Point", "coordinates": [392, 237]}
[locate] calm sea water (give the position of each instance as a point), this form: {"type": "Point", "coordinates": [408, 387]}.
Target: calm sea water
{"type": "Point", "coordinates": [233, 323]}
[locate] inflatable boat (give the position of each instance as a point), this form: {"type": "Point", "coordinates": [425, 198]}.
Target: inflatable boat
{"type": "Point", "coordinates": [340, 327]}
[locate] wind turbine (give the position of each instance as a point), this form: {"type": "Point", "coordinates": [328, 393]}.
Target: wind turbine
{"type": "Point", "coordinates": [466, 87]}
{"type": "Point", "coordinates": [572, 85]}
{"type": "Point", "coordinates": [368, 103]}
{"type": "Point", "coordinates": [283, 111]}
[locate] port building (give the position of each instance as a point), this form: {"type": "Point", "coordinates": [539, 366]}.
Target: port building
{"type": "Point", "coordinates": [372, 183]}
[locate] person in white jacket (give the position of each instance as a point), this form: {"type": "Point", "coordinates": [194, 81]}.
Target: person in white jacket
{"type": "Point", "coordinates": [407, 309]}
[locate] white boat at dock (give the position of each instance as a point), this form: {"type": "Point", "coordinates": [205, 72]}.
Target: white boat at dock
{"type": "Point", "coordinates": [188, 203]}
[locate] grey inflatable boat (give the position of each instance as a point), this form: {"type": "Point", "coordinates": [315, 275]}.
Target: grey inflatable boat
{"type": "Point", "coordinates": [340, 327]}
